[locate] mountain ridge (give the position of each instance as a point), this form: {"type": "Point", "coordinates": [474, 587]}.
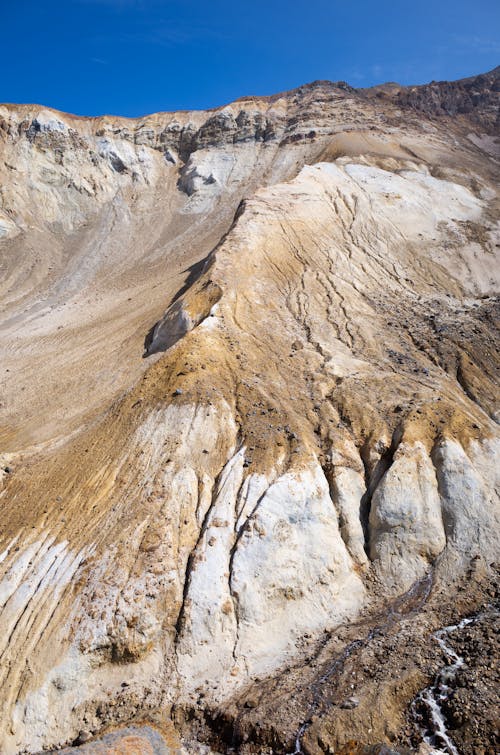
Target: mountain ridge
{"type": "Point", "coordinates": [492, 74]}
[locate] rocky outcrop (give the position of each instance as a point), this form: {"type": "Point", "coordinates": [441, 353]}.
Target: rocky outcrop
{"type": "Point", "coordinates": [478, 97]}
{"type": "Point", "coordinates": [304, 472]}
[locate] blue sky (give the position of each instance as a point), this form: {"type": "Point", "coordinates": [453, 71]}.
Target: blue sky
{"type": "Point", "coordinates": [131, 57]}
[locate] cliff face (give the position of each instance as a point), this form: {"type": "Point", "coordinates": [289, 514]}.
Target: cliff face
{"type": "Point", "coordinates": [297, 484]}
{"type": "Point", "coordinates": [477, 97]}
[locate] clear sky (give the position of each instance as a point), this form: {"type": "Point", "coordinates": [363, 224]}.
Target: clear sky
{"type": "Point", "coordinates": [131, 57]}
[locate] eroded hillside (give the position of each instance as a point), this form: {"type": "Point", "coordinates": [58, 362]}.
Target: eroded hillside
{"type": "Point", "coordinates": [246, 538]}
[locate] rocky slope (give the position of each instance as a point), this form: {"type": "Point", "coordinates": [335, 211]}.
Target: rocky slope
{"type": "Point", "coordinates": [246, 538]}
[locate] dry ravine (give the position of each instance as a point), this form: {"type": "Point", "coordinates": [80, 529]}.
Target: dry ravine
{"type": "Point", "coordinates": [249, 425]}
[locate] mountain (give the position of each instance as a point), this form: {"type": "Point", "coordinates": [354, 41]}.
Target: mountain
{"type": "Point", "coordinates": [249, 423]}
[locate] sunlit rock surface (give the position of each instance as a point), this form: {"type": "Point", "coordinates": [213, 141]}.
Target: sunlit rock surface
{"type": "Point", "coordinates": [226, 535]}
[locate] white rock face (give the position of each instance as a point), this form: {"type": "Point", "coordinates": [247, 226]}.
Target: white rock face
{"type": "Point", "coordinates": [46, 120]}
{"type": "Point", "coordinates": [349, 492]}
{"type": "Point", "coordinates": [209, 624]}
{"type": "Point", "coordinates": [255, 589]}
{"type": "Point", "coordinates": [292, 573]}
{"type": "Point", "coordinates": [469, 498]}
{"type": "Point", "coordinates": [406, 523]}
{"type": "Point", "coordinates": [35, 576]}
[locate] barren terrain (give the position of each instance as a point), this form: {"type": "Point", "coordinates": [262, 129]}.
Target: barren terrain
{"type": "Point", "coordinates": [249, 423]}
